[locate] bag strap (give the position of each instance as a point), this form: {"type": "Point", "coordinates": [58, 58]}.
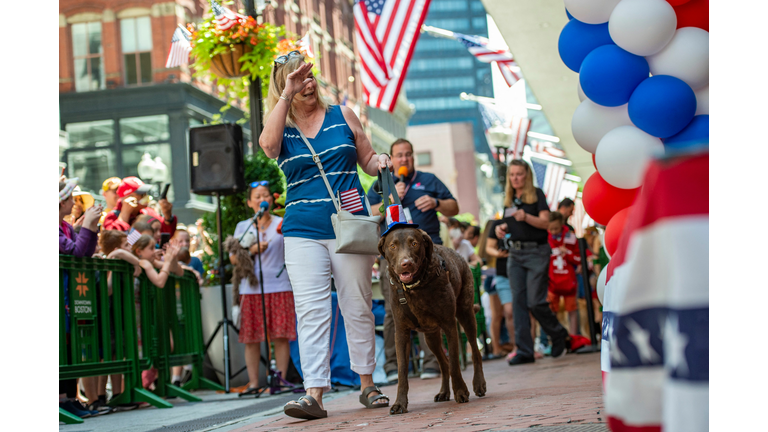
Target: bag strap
{"type": "Point", "coordinates": [316, 159]}
{"type": "Point", "coordinates": [388, 187]}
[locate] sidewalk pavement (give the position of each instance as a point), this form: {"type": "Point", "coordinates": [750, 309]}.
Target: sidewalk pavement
{"type": "Point", "coordinates": [549, 395]}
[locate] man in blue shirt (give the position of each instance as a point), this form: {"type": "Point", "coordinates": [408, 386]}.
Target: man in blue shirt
{"type": "Point", "coordinates": [422, 195]}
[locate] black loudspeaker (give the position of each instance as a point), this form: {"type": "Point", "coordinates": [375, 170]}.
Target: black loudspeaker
{"type": "Point", "coordinates": [216, 159]}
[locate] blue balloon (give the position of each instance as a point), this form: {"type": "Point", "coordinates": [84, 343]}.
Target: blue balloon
{"type": "Point", "coordinates": [570, 17]}
{"type": "Point", "coordinates": [609, 75]}
{"type": "Point", "coordinates": [662, 106]}
{"type": "Point", "coordinates": [695, 134]}
{"type": "Point", "coordinates": [578, 39]}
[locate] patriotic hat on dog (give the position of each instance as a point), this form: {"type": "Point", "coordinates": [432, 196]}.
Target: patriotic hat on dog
{"type": "Point", "coordinates": [396, 219]}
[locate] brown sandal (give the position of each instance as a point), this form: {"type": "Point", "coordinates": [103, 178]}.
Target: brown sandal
{"type": "Point", "coordinates": [307, 409]}
{"type": "Point", "coordinates": [369, 403]}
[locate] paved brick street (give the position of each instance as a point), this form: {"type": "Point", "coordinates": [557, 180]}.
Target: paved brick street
{"type": "Point", "coordinates": [563, 393]}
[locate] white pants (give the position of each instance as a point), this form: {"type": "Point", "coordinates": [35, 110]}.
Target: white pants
{"type": "Point", "coordinates": [310, 264]}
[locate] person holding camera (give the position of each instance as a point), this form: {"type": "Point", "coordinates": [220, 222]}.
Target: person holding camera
{"type": "Point", "coordinates": [526, 217]}
{"type": "Point", "coordinates": [132, 201]}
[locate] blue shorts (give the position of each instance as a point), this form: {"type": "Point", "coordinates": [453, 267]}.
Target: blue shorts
{"type": "Point", "coordinates": [503, 289]}
{"type": "Point", "coordinates": [489, 285]}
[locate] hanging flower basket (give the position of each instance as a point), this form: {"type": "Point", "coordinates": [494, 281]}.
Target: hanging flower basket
{"type": "Point", "coordinates": [228, 64]}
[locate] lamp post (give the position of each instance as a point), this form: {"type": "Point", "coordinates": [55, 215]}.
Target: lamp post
{"type": "Point", "coordinates": [254, 8]}
{"type": "Point", "coordinates": [501, 139]}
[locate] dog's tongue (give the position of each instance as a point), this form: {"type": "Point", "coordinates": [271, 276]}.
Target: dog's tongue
{"type": "Point", "coordinates": [406, 277]}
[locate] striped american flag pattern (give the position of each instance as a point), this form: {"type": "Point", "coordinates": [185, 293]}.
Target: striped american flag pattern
{"type": "Point", "coordinates": [306, 43]}
{"type": "Point", "coordinates": [180, 48]}
{"type": "Point", "coordinates": [350, 201]}
{"type": "Point", "coordinates": [549, 178]}
{"type": "Point", "coordinates": [225, 18]}
{"type": "Point", "coordinates": [133, 236]}
{"type": "Point", "coordinates": [385, 33]}
{"type": "Point", "coordinates": [480, 47]}
{"type": "Point", "coordinates": [580, 218]}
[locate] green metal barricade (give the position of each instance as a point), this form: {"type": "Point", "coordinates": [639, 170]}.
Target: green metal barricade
{"type": "Point", "coordinates": [171, 333]}
{"type": "Point", "coordinates": [88, 326]}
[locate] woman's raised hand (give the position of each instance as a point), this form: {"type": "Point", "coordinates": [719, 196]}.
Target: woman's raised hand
{"type": "Point", "coordinates": [297, 80]}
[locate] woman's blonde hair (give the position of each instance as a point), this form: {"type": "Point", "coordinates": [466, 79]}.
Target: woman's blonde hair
{"type": "Point", "coordinates": [277, 85]}
{"type": "Point", "coordinates": [529, 192]}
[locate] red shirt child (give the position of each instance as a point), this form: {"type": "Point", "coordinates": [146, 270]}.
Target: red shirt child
{"type": "Point", "coordinates": [562, 262]}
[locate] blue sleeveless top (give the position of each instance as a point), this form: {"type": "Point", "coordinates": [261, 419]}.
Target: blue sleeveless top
{"type": "Point", "coordinates": [308, 205]}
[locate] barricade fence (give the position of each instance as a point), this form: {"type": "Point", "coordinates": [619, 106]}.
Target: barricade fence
{"type": "Point", "coordinates": [99, 329]}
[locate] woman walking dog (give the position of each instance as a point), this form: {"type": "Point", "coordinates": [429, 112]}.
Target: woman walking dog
{"type": "Point", "coordinates": [295, 110]}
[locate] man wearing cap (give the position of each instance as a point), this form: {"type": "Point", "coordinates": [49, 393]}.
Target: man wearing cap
{"type": "Point", "coordinates": [422, 195]}
{"type": "Point", "coordinates": [132, 201]}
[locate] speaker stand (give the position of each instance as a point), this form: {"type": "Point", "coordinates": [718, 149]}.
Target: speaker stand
{"type": "Point", "coordinates": [225, 324]}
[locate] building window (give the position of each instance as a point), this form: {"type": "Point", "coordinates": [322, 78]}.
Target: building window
{"type": "Point", "coordinates": [448, 5]}
{"type": "Point", "coordinates": [424, 159]}
{"type": "Point", "coordinates": [442, 103]}
{"type": "Point", "coordinates": [477, 6]}
{"type": "Point", "coordinates": [479, 23]}
{"type": "Point", "coordinates": [100, 133]}
{"type": "Point", "coordinates": [136, 38]}
{"type": "Point", "coordinates": [449, 23]}
{"type": "Point", "coordinates": [92, 167]}
{"type": "Point", "coordinates": [444, 84]}
{"type": "Point", "coordinates": [88, 56]}
{"type": "Point", "coordinates": [137, 130]}
{"type": "Point", "coordinates": [442, 64]}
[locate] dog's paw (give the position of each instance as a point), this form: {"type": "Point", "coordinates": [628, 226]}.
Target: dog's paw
{"type": "Point", "coordinates": [461, 396]}
{"type": "Point", "coordinates": [479, 388]}
{"type": "Point", "coordinates": [443, 396]}
{"type": "Point", "coordinates": [399, 408]}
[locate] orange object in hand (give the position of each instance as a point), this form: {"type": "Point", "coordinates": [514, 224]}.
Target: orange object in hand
{"type": "Point", "coordinates": [403, 171]}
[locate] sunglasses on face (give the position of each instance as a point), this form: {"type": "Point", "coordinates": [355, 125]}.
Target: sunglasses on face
{"type": "Point", "coordinates": [283, 59]}
{"type": "Point", "coordinates": [260, 183]}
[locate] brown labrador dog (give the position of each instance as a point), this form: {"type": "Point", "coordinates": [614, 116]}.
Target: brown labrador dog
{"type": "Point", "coordinates": [432, 287]}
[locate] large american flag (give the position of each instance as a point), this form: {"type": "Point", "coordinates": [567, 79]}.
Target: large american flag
{"type": "Point", "coordinates": [225, 18]}
{"type": "Point", "coordinates": [386, 32]}
{"type": "Point", "coordinates": [180, 48]}
{"type": "Point", "coordinates": [550, 180]}
{"type": "Point", "coordinates": [655, 346]}
{"type": "Point", "coordinates": [480, 47]}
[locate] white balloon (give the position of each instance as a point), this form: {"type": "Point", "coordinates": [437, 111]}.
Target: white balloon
{"type": "Point", "coordinates": [592, 121]}
{"type": "Point", "coordinates": [642, 27]}
{"type": "Point", "coordinates": [601, 285]}
{"type": "Point", "coordinates": [702, 101]}
{"type": "Point", "coordinates": [624, 153]}
{"type": "Point", "coordinates": [685, 57]}
{"type": "Point", "coordinates": [591, 11]}
{"type": "Point", "coordinates": [582, 96]}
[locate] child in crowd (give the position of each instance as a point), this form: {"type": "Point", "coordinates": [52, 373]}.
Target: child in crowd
{"type": "Point", "coordinates": [144, 249]}
{"type": "Point", "coordinates": [562, 275]}
{"type": "Point", "coordinates": [462, 246]}
{"type": "Point", "coordinates": [154, 224]}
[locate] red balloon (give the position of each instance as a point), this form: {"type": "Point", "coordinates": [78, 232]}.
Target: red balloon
{"type": "Point", "coordinates": [614, 229]}
{"type": "Point", "coordinates": [677, 2]}
{"type": "Point", "coordinates": [694, 13]}
{"type": "Point", "coordinates": [602, 201]}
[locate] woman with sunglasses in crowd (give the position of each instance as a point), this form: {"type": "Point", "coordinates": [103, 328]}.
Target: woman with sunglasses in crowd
{"type": "Point", "coordinates": [295, 107]}
{"type": "Point", "coordinates": [525, 219]}
{"type": "Point", "coordinates": [278, 295]}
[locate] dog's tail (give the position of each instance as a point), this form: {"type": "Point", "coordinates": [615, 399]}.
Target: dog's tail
{"type": "Point", "coordinates": [476, 308]}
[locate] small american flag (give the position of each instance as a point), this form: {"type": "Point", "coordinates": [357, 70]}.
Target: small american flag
{"type": "Point", "coordinates": [225, 18]}
{"type": "Point", "coordinates": [480, 47]}
{"type": "Point", "coordinates": [519, 126]}
{"type": "Point", "coordinates": [350, 201]}
{"type": "Point", "coordinates": [180, 48]}
{"type": "Point", "coordinates": [386, 32]}
{"type": "Point", "coordinates": [133, 236]}
{"type": "Point", "coordinates": [306, 43]}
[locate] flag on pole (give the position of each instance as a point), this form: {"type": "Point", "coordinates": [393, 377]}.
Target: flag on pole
{"type": "Point", "coordinates": [657, 295]}
{"type": "Point", "coordinates": [225, 18]}
{"type": "Point", "coordinates": [549, 178]}
{"type": "Point", "coordinates": [306, 44]}
{"type": "Point", "coordinates": [520, 127]}
{"type": "Point", "coordinates": [180, 48]}
{"type": "Point", "coordinates": [481, 48]}
{"type": "Point", "coordinates": [386, 32]}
